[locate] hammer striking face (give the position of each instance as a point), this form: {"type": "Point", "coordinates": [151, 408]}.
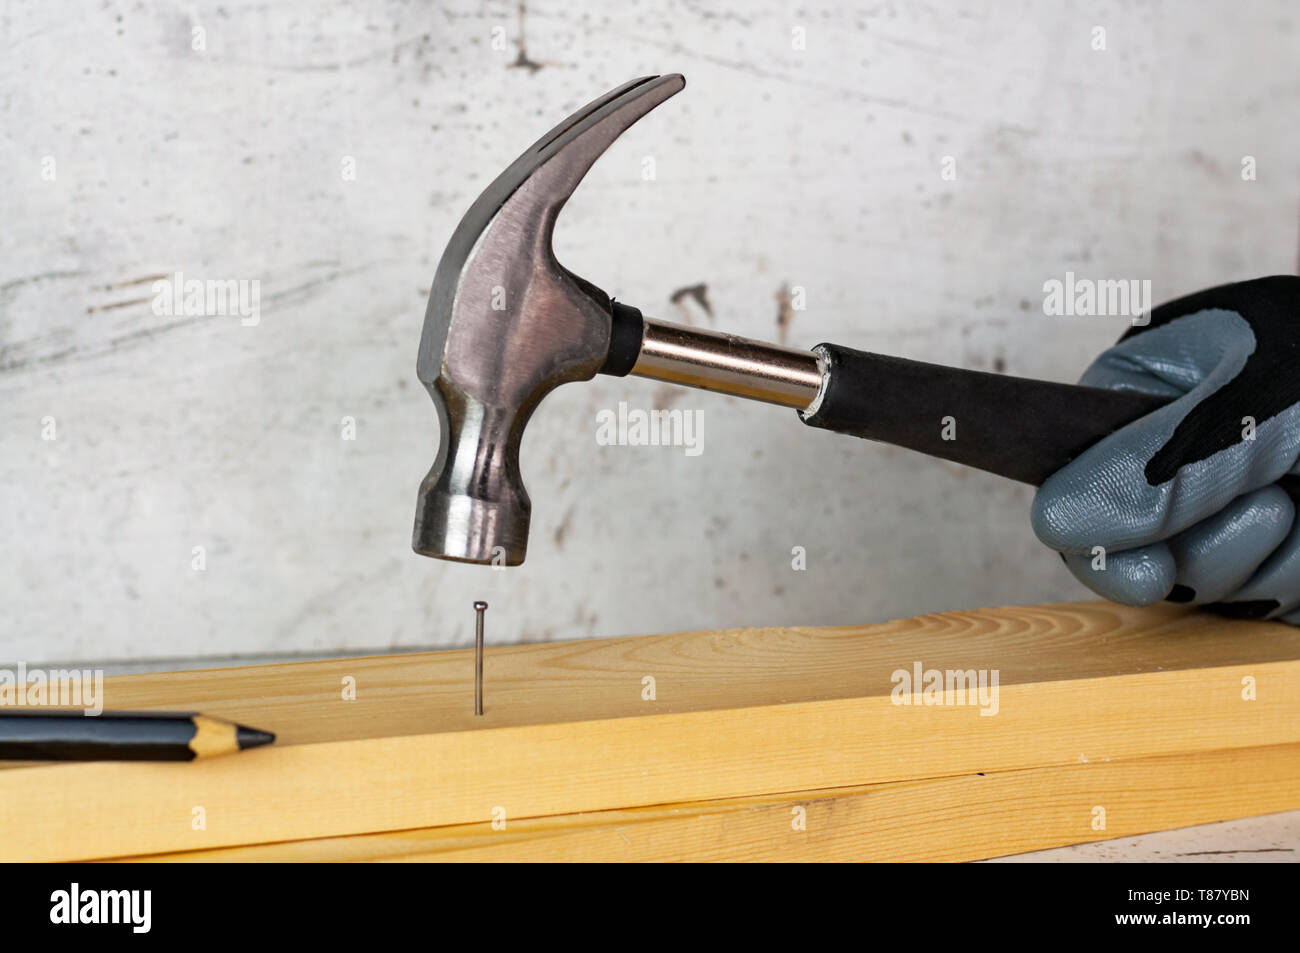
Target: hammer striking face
{"type": "Point", "coordinates": [506, 324]}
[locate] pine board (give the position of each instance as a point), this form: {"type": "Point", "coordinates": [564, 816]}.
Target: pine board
{"type": "Point", "coordinates": [738, 713]}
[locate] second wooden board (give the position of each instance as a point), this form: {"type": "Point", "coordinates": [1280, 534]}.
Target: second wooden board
{"type": "Point", "coordinates": [940, 819]}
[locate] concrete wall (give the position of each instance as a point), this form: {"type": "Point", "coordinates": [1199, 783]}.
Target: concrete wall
{"type": "Point", "coordinates": [807, 152]}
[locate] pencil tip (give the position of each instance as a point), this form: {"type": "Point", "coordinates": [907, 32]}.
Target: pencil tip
{"type": "Point", "coordinates": [247, 737]}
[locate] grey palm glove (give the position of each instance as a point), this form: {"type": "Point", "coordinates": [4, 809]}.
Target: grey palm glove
{"type": "Point", "coordinates": [1193, 502]}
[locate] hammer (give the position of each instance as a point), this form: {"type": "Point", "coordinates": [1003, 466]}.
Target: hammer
{"type": "Point", "coordinates": [507, 323]}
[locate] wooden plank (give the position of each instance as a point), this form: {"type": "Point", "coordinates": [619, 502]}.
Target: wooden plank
{"type": "Point", "coordinates": [943, 819]}
{"type": "Point", "coordinates": [736, 713]}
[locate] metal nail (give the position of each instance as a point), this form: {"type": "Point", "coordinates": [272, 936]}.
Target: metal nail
{"type": "Point", "coordinates": [479, 608]}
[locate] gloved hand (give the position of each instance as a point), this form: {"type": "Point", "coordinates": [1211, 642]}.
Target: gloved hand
{"type": "Point", "coordinates": [1185, 502]}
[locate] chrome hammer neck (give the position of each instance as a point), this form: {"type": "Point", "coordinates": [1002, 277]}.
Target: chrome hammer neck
{"type": "Point", "coordinates": [727, 364]}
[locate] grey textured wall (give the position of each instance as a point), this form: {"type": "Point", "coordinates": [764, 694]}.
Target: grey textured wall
{"type": "Point", "coordinates": [326, 151]}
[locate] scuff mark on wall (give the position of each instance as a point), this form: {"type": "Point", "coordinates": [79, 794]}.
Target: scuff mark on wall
{"type": "Point", "coordinates": [93, 308]}
{"type": "Point", "coordinates": [118, 286]}
{"type": "Point", "coordinates": [562, 530]}
{"type": "Point", "coordinates": [697, 293]}
{"type": "Point", "coordinates": [784, 312]}
{"type": "Point", "coordinates": [131, 282]}
{"type": "Point", "coordinates": [665, 396]}
{"type": "Point", "coordinates": [523, 61]}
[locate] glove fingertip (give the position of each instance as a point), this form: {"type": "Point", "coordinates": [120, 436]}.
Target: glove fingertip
{"type": "Point", "coordinates": [1048, 518]}
{"type": "Point", "coordinates": [1136, 577]}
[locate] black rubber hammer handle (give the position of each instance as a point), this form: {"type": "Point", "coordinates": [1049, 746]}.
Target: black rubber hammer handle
{"type": "Point", "coordinates": [1012, 426]}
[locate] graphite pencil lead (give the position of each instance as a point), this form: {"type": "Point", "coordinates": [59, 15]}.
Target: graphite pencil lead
{"type": "Point", "coordinates": [247, 737]}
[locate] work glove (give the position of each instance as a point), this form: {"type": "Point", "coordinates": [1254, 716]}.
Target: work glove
{"type": "Point", "coordinates": [1194, 502]}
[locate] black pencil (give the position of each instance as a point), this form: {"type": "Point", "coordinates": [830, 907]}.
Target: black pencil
{"type": "Point", "coordinates": [59, 735]}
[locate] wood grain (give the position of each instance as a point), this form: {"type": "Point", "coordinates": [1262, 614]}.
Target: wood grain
{"type": "Point", "coordinates": [737, 713]}
{"type": "Point", "coordinates": [943, 819]}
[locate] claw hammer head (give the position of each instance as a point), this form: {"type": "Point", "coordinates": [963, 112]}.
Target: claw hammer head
{"type": "Point", "coordinates": [506, 324]}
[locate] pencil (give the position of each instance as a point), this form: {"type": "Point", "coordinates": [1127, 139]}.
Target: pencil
{"type": "Point", "coordinates": [62, 735]}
